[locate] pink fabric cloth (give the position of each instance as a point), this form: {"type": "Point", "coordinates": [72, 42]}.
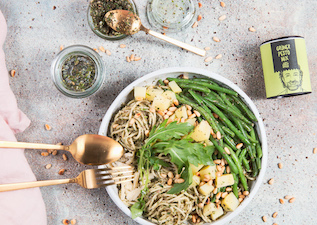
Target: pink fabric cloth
{"type": "Point", "coordinates": [23, 206]}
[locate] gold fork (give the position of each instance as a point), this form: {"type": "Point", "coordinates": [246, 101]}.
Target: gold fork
{"type": "Point", "coordinates": [92, 178]}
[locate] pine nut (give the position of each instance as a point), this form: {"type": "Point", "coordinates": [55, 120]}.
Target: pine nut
{"type": "Point", "coordinates": [240, 200]}
{"type": "Point", "coordinates": [224, 194]}
{"type": "Point", "coordinates": [271, 181]}
{"type": "Point", "coordinates": [48, 127]}
{"type": "Point", "coordinates": [65, 221]}
{"type": "Point", "coordinates": [54, 152]}
{"type": "Point", "coordinates": [108, 52]}
{"type": "Point", "coordinates": [246, 193]}
{"type": "Point", "coordinates": [61, 171]}
{"type": "Point", "coordinates": [137, 58]}
{"type": "Point", "coordinates": [192, 116]}
{"type": "Point", "coordinates": [217, 161]}
{"type": "Point", "coordinates": [218, 134]}
{"type": "Point", "coordinates": [170, 181]}
{"type": "Point", "coordinates": [241, 196]}
{"type": "Point", "coordinates": [12, 73]}
{"type": "Point", "coordinates": [291, 200]}
{"type": "Point", "coordinates": [172, 109]}
{"type": "Point", "coordinates": [252, 29]}
{"type": "Point", "coordinates": [274, 215]}
{"type": "Point", "coordinates": [222, 4]}
{"type": "Point", "coordinates": [199, 17]}
{"type": "Point", "coordinates": [201, 205]}
{"type": "Point", "coordinates": [128, 59]}
{"type": "Point", "coordinates": [96, 50]}
{"type": "Point", "coordinates": [207, 48]}
{"type": "Point", "coordinates": [73, 221]}
{"type": "Point", "coordinates": [65, 157]}
{"type": "Point", "coordinates": [132, 57]}
{"type": "Point", "coordinates": [216, 39]}
{"type": "Point", "coordinates": [102, 49]}
{"type": "Point", "coordinates": [198, 220]}
{"type": "Point", "coordinates": [169, 113]}
{"type": "Point", "coordinates": [197, 113]}
{"type": "Point", "coordinates": [274, 224]}
{"type": "Point", "coordinates": [48, 166]}
{"type": "Point", "coordinates": [219, 56]}
{"type": "Point", "coordinates": [223, 17]}
{"type": "Point", "coordinates": [315, 150]}
{"type": "Point", "coordinates": [122, 46]}
{"type": "Point", "coordinates": [170, 174]}
{"type": "Point", "coordinates": [44, 153]}
{"type": "Point", "coordinates": [61, 47]}
{"type": "Point", "coordinates": [160, 112]}
{"type": "Point", "coordinates": [207, 177]}
{"type": "Point", "coordinates": [238, 146]}
{"type": "Point", "coordinates": [176, 102]}
{"type": "Point", "coordinates": [218, 195]}
{"type": "Point", "coordinates": [264, 218]}
{"type": "Point", "coordinates": [200, 5]}
{"type": "Point", "coordinates": [281, 201]}
{"type": "Point", "coordinates": [215, 191]}
{"type": "Point", "coordinates": [195, 24]}
{"type": "Point", "coordinates": [228, 169]}
{"type": "Point", "coordinates": [177, 176]}
{"type": "Point", "coordinates": [280, 165]}
{"type": "Point", "coordinates": [227, 150]}
{"type": "Point", "coordinates": [218, 174]}
{"type": "Point", "coordinates": [228, 189]}
{"type": "Point", "coordinates": [287, 197]}
{"type": "Point", "coordinates": [208, 59]}
{"type": "Point", "coordinates": [219, 167]}
{"type": "Point", "coordinates": [194, 219]}
{"type": "Point", "coordinates": [165, 117]}
{"type": "Point", "coordinates": [147, 132]}
{"type": "Point", "coordinates": [189, 112]}
{"type": "Point", "coordinates": [209, 182]}
{"type": "Point", "coordinates": [179, 181]}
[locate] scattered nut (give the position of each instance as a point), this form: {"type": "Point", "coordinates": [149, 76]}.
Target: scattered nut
{"type": "Point", "coordinates": [200, 5]}
{"type": "Point", "coordinates": [54, 152]}
{"type": "Point", "coordinates": [252, 29]}
{"type": "Point", "coordinates": [50, 151]}
{"type": "Point", "coordinates": [201, 205]}
{"type": "Point", "coordinates": [136, 58]}
{"type": "Point", "coordinates": [101, 48]}
{"type": "Point", "coordinates": [163, 175]}
{"type": "Point", "coordinates": [216, 39]}
{"type": "Point", "coordinates": [291, 200]}
{"type": "Point", "coordinates": [132, 57]}
{"type": "Point", "coordinates": [246, 193]}
{"type": "Point", "coordinates": [219, 56]}
{"type": "Point", "coordinates": [65, 221]}
{"type": "Point", "coordinates": [225, 148]}
{"type": "Point", "coordinates": [238, 146]}
{"type": "Point", "coordinates": [122, 46]}
{"type": "Point", "coordinates": [315, 150]}
{"type": "Point", "coordinates": [223, 17]}
{"type": "Point", "coordinates": [48, 166]}
{"type": "Point", "coordinates": [61, 47]}
{"type": "Point", "coordinates": [264, 218]}
{"type": "Point", "coordinates": [281, 201]}
{"type": "Point", "coordinates": [65, 157]}
{"type": "Point", "coordinates": [222, 4]}
{"type": "Point", "coordinates": [199, 17]}
{"type": "Point", "coordinates": [48, 127]}
{"type": "Point", "coordinates": [195, 24]}
{"type": "Point", "coordinates": [61, 171]}
{"type": "Point", "coordinates": [274, 215]}
{"type": "Point", "coordinates": [287, 197]}
{"type": "Point", "coordinates": [207, 48]}
{"type": "Point", "coordinates": [12, 73]}
{"type": "Point", "coordinates": [170, 181]}
{"type": "Point", "coordinates": [128, 59]}
{"type": "Point", "coordinates": [73, 221]}
{"type": "Point", "coordinates": [280, 165]}
{"type": "Point", "coordinates": [170, 175]}
{"type": "Point", "coordinates": [108, 52]}
{"type": "Point", "coordinates": [179, 181]}
{"type": "Point", "coordinates": [271, 181]}
{"type": "Point", "coordinates": [208, 59]}
{"type": "Point", "coordinates": [44, 153]}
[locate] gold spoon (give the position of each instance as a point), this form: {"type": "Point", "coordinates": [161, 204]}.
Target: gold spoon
{"type": "Point", "coordinates": [126, 22]}
{"type": "Point", "coordinates": [90, 149]}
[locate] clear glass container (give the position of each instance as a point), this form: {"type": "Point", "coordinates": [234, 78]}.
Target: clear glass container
{"type": "Point", "coordinates": [78, 50]}
{"type": "Point", "coordinates": [171, 15]}
{"type": "Point", "coordinates": [102, 35]}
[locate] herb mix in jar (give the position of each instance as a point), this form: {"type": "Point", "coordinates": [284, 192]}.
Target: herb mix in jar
{"type": "Point", "coordinates": [98, 10]}
{"type": "Point", "coordinates": [78, 72]}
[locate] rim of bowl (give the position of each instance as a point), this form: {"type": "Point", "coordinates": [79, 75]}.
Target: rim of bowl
{"type": "Point", "coordinates": [159, 74]}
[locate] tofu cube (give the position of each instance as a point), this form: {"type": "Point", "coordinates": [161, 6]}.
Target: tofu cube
{"type": "Point", "coordinates": [230, 202]}
{"type": "Point", "coordinates": [181, 112]}
{"type": "Point", "coordinates": [208, 170]}
{"type": "Point", "coordinates": [196, 181]}
{"type": "Point", "coordinates": [206, 189]}
{"type": "Point", "coordinates": [169, 95]}
{"type": "Point", "coordinates": [174, 86]}
{"type": "Point", "coordinates": [209, 209]}
{"type": "Point", "coordinates": [201, 131]}
{"type": "Point", "coordinates": [139, 93]}
{"type": "Point", "coordinates": [217, 213]}
{"type": "Point", "coordinates": [224, 180]}
{"type": "Point", "coordinates": [161, 103]}
{"type": "Point", "coordinates": [191, 121]}
{"type": "Point", "coordinates": [195, 169]}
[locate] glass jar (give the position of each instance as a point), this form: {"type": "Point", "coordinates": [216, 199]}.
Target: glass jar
{"type": "Point", "coordinates": [118, 36]}
{"type": "Point", "coordinates": [83, 52]}
{"type": "Point", "coordinates": [171, 15]}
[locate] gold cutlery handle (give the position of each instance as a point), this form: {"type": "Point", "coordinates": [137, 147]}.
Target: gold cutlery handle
{"type": "Point", "coordinates": [24, 185]}
{"type": "Point", "coordinates": [9, 144]}
{"type": "Point", "coordinates": [178, 43]}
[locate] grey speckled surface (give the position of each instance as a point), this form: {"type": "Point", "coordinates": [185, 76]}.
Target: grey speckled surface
{"type": "Point", "coordinates": [35, 32]}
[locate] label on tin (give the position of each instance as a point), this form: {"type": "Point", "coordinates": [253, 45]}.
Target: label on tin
{"type": "Point", "coordinates": [285, 67]}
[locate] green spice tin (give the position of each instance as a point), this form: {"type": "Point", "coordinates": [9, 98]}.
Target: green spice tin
{"type": "Point", "coordinates": [285, 67]}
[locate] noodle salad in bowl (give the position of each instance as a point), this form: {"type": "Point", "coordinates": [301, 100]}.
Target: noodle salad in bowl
{"type": "Point", "coordinates": [197, 144]}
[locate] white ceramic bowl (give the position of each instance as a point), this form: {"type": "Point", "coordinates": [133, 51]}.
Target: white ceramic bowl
{"type": "Point", "coordinates": [152, 78]}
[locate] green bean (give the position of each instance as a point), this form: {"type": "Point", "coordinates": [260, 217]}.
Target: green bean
{"type": "Point", "coordinates": [240, 170]}
{"type": "Point", "coordinates": [213, 95]}
{"type": "Point", "coordinates": [235, 185]}
{"type": "Point", "coordinates": [229, 110]}
{"type": "Point", "coordinates": [255, 169]}
{"type": "Point", "coordinates": [195, 87]}
{"type": "Point", "coordinates": [252, 139]}
{"type": "Point", "coordinates": [242, 154]}
{"type": "Point", "coordinates": [238, 152]}
{"type": "Point", "coordinates": [204, 84]}
{"type": "Point", "coordinates": [206, 80]}
{"type": "Point", "coordinates": [161, 82]}
{"type": "Point", "coordinates": [227, 121]}
{"type": "Point", "coordinates": [229, 142]}
{"type": "Point", "coordinates": [228, 131]}
{"type": "Point", "coordinates": [246, 165]}
{"type": "Point", "coordinates": [258, 163]}
{"type": "Point", "coordinates": [244, 107]}
{"type": "Point", "coordinates": [220, 149]}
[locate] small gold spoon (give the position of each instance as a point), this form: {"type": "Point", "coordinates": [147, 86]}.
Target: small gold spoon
{"type": "Point", "coordinates": [126, 22]}
{"type": "Point", "coordinates": [90, 149]}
